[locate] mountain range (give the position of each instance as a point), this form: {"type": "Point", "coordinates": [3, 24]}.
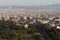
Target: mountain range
{"type": "Point", "coordinates": [53, 6]}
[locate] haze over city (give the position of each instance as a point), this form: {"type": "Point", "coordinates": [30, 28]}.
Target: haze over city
{"type": "Point", "coordinates": [28, 2]}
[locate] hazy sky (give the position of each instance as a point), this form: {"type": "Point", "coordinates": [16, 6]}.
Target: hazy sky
{"type": "Point", "coordinates": [27, 2]}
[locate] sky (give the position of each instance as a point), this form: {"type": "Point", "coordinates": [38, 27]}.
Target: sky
{"type": "Point", "coordinates": [28, 2]}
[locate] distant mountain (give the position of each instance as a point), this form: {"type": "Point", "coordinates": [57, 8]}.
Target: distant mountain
{"type": "Point", "coordinates": [53, 6]}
